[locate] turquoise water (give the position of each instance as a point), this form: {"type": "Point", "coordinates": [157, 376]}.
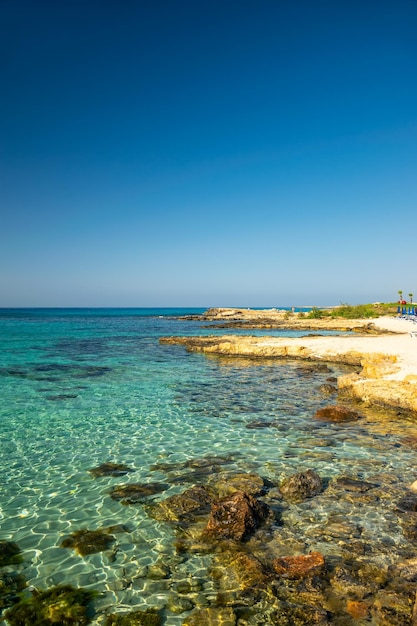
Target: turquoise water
{"type": "Point", "coordinates": [81, 387]}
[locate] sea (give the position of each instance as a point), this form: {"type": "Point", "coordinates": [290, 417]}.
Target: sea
{"type": "Point", "coordinates": [83, 387]}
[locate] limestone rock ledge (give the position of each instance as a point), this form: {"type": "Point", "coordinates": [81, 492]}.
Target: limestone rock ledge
{"type": "Point", "coordinates": [278, 318]}
{"type": "Point", "coordinates": [388, 374]}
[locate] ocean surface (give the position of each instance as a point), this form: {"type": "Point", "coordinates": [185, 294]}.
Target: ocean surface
{"type": "Point", "coordinates": [81, 387]}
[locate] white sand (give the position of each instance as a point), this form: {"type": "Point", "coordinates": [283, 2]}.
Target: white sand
{"type": "Point", "coordinates": [386, 381]}
{"type": "Point", "coordinates": [401, 345]}
{"type": "Point", "coordinates": [395, 324]}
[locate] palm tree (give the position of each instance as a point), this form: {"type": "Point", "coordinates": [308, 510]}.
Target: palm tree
{"type": "Point", "coordinates": [400, 293]}
{"type": "Point", "coordinates": [410, 295]}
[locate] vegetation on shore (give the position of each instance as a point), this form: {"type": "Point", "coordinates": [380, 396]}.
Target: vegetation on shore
{"type": "Point", "coordinates": [351, 312]}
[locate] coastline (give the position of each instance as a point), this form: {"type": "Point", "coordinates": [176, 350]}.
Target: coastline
{"type": "Point", "coordinates": [261, 319]}
{"type": "Point", "coordinates": [386, 358]}
{"type": "Point", "coordinates": [103, 412]}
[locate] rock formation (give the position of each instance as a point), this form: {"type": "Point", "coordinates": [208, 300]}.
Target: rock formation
{"type": "Point", "coordinates": [387, 365]}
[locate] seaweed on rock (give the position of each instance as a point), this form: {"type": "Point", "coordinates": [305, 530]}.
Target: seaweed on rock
{"type": "Point", "coordinates": [150, 617]}
{"type": "Point", "coordinates": [337, 413]}
{"type": "Point", "coordinates": [63, 605]}
{"type": "Point", "coordinates": [227, 484]}
{"type": "Point", "coordinates": [110, 469]}
{"type": "Point", "coordinates": [10, 585]}
{"type": "Point", "coordinates": [9, 553]}
{"type": "Point", "coordinates": [300, 486]}
{"type": "Point", "coordinates": [216, 616]}
{"type": "Point", "coordinates": [136, 492]}
{"type": "Point", "coordinates": [88, 541]}
{"type": "Point", "coordinates": [188, 506]}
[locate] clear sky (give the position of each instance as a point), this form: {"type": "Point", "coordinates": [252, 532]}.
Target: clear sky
{"type": "Point", "coordinates": [207, 152]}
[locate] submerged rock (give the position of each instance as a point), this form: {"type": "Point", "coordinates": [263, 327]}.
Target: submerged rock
{"type": "Point", "coordinates": [236, 517]}
{"type": "Point", "coordinates": [211, 616]}
{"type": "Point", "coordinates": [59, 606]}
{"type": "Point", "coordinates": [149, 617]}
{"type": "Point", "coordinates": [410, 441]}
{"type": "Point", "coordinates": [10, 585]}
{"type": "Point", "coordinates": [341, 529]}
{"type": "Point", "coordinates": [61, 396]}
{"type": "Point", "coordinates": [110, 469]}
{"type": "Point", "coordinates": [239, 574]}
{"type": "Point", "coordinates": [136, 492]}
{"type": "Point", "coordinates": [408, 523]}
{"type": "Point", "coordinates": [252, 484]}
{"type": "Point", "coordinates": [198, 463]}
{"type": "Point", "coordinates": [327, 389]}
{"type": "Point", "coordinates": [352, 484]}
{"type": "Point", "coordinates": [198, 469]}
{"type": "Point", "coordinates": [306, 615]}
{"type": "Point", "coordinates": [88, 541]}
{"type": "Point", "coordinates": [337, 413]}
{"type": "Point", "coordinates": [192, 503]}
{"type": "Point", "coordinates": [9, 553]}
{"type": "Point", "coordinates": [178, 604]}
{"type": "Point", "coordinates": [392, 608]}
{"type": "Point", "coordinates": [301, 486]}
{"type": "Point", "coordinates": [285, 613]}
{"type": "Point", "coordinates": [159, 571]}
{"type": "Point", "coordinates": [314, 368]}
{"type": "Point", "coordinates": [208, 460]}
{"type": "Point", "coordinates": [55, 372]}
{"type": "Point", "coordinates": [357, 609]}
{"type": "Point", "coordinates": [406, 570]}
{"type": "Point", "coordinates": [192, 585]}
{"type": "Point", "coordinates": [348, 579]}
{"type": "Point", "coordinates": [117, 528]}
{"type": "Point", "coordinates": [194, 477]}
{"type": "Point", "coordinates": [299, 566]}
{"type": "Point", "coordinates": [408, 503]}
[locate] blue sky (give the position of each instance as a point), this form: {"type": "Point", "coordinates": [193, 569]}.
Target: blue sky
{"type": "Point", "coordinates": [209, 153]}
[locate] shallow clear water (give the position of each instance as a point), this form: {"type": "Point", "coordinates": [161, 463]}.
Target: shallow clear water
{"type": "Point", "coordinates": [83, 387]}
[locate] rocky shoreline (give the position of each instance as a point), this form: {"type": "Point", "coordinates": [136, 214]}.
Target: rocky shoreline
{"type": "Point", "coordinates": [252, 319]}
{"type": "Point", "coordinates": [386, 360]}
{"type": "Point", "coordinates": [295, 551]}
{"type": "Point", "coordinates": [321, 531]}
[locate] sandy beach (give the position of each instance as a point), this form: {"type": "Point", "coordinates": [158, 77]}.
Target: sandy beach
{"type": "Point", "coordinates": [387, 360]}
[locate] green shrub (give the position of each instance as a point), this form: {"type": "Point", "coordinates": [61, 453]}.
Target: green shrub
{"type": "Point", "coordinates": [358, 311]}
{"type": "Point", "coordinates": [315, 314]}
{"type": "Point", "coordinates": [363, 311]}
